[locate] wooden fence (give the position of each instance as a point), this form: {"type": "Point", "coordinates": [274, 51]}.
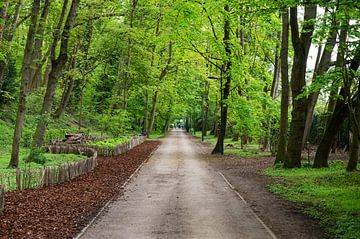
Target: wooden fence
{"type": "Point", "coordinates": [2, 200]}
{"type": "Point", "coordinates": [19, 179]}
{"type": "Point", "coordinates": [119, 149]}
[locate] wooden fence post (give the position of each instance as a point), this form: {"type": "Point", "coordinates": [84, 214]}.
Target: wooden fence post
{"type": "Point", "coordinates": [2, 199]}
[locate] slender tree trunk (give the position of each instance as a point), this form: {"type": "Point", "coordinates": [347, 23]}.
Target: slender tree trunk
{"type": "Point", "coordinates": [275, 83]}
{"type": "Point", "coordinates": [226, 73]}
{"type": "Point", "coordinates": [281, 149]}
{"type": "Point", "coordinates": [65, 97]}
{"type": "Point", "coordinates": [206, 108]}
{"type": "Point", "coordinates": [56, 72]}
{"type": "Point", "coordinates": [25, 80]}
{"type": "Point", "coordinates": [301, 45]}
{"type": "Point", "coordinates": [36, 74]}
{"type": "Point", "coordinates": [321, 68]}
{"type": "Point", "coordinates": [340, 113]}
{"type": "Point", "coordinates": [153, 112]}
{"type": "Point", "coordinates": [354, 146]}
{"type": "Point", "coordinates": [146, 113]}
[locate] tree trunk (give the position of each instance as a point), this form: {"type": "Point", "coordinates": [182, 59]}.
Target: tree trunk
{"type": "Point", "coordinates": [68, 88]}
{"type": "Point", "coordinates": [146, 113]}
{"type": "Point", "coordinates": [275, 83]}
{"type": "Point", "coordinates": [281, 149]}
{"type": "Point", "coordinates": [153, 112]}
{"type": "Point", "coordinates": [206, 108]}
{"type": "Point", "coordinates": [340, 113]}
{"type": "Point", "coordinates": [301, 45]}
{"type": "Point", "coordinates": [25, 80]}
{"type": "Point", "coordinates": [226, 73]}
{"type": "Point", "coordinates": [65, 97]}
{"type": "Point", "coordinates": [321, 68]}
{"type": "Point", "coordinates": [354, 147]}
{"type": "Point", "coordinates": [55, 73]}
{"type": "Point", "coordinates": [36, 74]}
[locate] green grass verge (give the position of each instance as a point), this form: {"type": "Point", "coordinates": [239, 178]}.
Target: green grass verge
{"type": "Point", "coordinates": [51, 160]}
{"type": "Point", "coordinates": [110, 143]}
{"type": "Point", "coordinates": [155, 136]}
{"type": "Point", "coordinates": [249, 150]}
{"type": "Point", "coordinates": [332, 195]}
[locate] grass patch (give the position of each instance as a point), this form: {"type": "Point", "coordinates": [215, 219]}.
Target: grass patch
{"type": "Point", "coordinates": [332, 194]}
{"type": "Point", "coordinates": [234, 147]}
{"type": "Point", "coordinates": [50, 160]}
{"type": "Point", "coordinates": [155, 136]}
{"type": "Point", "coordinates": [110, 143]}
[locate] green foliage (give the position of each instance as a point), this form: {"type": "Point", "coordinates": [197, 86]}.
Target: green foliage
{"type": "Point", "coordinates": [332, 194]}
{"type": "Point", "coordinates": [110, 143]}
{"type": "Point", "coordinates": [37, 156]}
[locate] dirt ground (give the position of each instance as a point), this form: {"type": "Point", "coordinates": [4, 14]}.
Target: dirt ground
{"type": "Point", "coordinates": [61, 211]}
{"type": "Point", "coordinates": [285, 218]}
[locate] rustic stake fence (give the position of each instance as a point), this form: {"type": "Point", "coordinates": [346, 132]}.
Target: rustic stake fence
{"type": "Point", "coordinates": [120, 148]}
{"type": "Point", "coordinates": [2, 200]}
{"type": "Point", "coordinates": [20, 179]}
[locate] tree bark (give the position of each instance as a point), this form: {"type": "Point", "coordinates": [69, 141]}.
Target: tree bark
{"type": "Point", "coordinates": [153, 112]}
{"type": "Point", "coordinates": [25, 80]}
{"type": "Point", "coordinates": [36, 74]}
{"type": "Point", "coordinates": [340, 113]}
{"type": "Point", "coordinates": [281, 149]}
{"type": "Point", "coordinates": [321, 68]}
{"type": "Point", "coordinates": [146, 113]}
{"type": "Point", "coordinates": [161, 77]}
{"type": "Point", "coordinates": [57, 68]}
{"type": "Point", "coordinates": [68, 88]}
{"type": "Point", "coordinates": [301, 45]}
{"type": "Point", "coordinates": [226, 73]}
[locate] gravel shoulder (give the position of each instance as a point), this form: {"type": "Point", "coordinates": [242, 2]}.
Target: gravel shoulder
{"type": "Point", "coordinates": [61, 211]}
{"type": "Point", "coordinates": [284, 218]}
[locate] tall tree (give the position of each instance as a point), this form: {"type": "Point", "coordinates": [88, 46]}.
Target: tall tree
{"type": "Point", "coordinates": [301, 44]}
{"type": "Point", "coordinates": [57, 68]}
{"type": "Point", "coordinates": [226, 74]}
{"type": "Point", "coordinates": [281, 150]}
{"type": "Point", "coordinates": [25, 81]}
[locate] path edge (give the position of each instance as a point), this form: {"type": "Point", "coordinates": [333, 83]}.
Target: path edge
{"type": "Point", "coordinates": [82, 232]}
{"type": "Point", "coordinates": [271, 233]}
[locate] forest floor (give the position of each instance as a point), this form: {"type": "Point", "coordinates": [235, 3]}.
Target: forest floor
{"type": "Point", "coordinates": [61, 211]}
{"type": "Point", "coordinates": [246, 174]}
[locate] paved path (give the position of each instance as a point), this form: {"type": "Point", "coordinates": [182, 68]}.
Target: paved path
{"type": "Point", "coordinates": [177, 195]}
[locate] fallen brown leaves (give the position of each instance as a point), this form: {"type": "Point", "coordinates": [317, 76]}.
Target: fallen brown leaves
{"type": "Point", "coordinates": [61, 211]}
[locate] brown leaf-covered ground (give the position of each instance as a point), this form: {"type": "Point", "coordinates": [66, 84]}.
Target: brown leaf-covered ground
{"type": "Point", "coordinates": [61, 211]}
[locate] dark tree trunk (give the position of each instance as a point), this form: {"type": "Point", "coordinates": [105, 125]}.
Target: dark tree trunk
{"type": "Point", "coordinates": [25, 81]}
{"type": "Point", "coordinates": [161, 77]}
{"type": "Point", "coordinates": [146, 113]}
{"type": "Point", "coordinates": [301, 45]}
{"type": "Point", "coordinates": [153, 112]}
{"type": "Point", "coordinates": [206, 108]}
{"type": "Point", "coordinates": [340, 113]}
{"type": "Point", "coordinates": [320, 69]}
{"type": "Point", "coordinates": [36, 74]}
{"type": "Point", "coordinates": [354, 146]}
{"type": "Point", "coordinates": [57, 68]}
{"type": "Point", "coordinates": [68, 88]}
{"type": "Point", "coordinates": [226, 74]}
{"type": "Point", "coordinates": [281, 149]}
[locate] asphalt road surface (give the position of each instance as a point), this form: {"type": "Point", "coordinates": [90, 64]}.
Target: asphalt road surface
{"type": "Point", "coordinates": [177, 195]}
